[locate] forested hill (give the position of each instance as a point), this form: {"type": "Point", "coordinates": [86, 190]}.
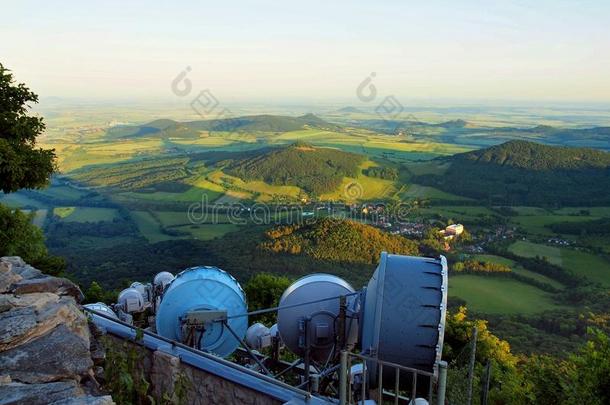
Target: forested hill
{"type": "Point", "coordinates": [522, 172]}
{"type": "Point", "coordinates": [534, 156]}
{"type": "Point", "coordinates": [316, 170]}
{"type": "Point", "coordinates": [166, 128]}
{"type": "Point", "coordinates": [337, 240]}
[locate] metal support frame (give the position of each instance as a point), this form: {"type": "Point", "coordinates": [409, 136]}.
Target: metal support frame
{"type": "Point", "coordinates": [442, 382]}
{"type": "Point", "coordinates": [345, 392]}
{"type": "Point", "coordinates": [252, 355]}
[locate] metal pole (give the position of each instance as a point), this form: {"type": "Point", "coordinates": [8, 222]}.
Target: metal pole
{"type": "Point", "coordinates": [471, 365]}
{"type": "Point", "coordinates": [396, 386]}
{"type": "Point", "coordinates": [442, 382]}
{"type": "Point", "coordinates": [343, 379]}
{"type": "Point", "coordinates": [380, 385]}
{"type": "Point", "coordinates": [245, 345]}
{"type": "Point", "coordinates": [363, 382]}
{"type": "Point", "coordinates": [485, 383]}
{"type": "Point", "coordinates": [414, 388]}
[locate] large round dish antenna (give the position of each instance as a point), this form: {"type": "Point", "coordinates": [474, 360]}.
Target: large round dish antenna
{"type": "Point", "coordinates": [199, 291]}
{"type": "Point", "coordinates": [403, 316]}
{"type": "Point", "coordinates": [307, 316]}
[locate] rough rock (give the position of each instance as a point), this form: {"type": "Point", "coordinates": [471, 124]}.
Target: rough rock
{"type": "Point", "coordinates": [27, 317]}
{"type": "Point", "coordinates": [21, 268]}
{"type": "Point", "coordinates": [7, 276]}
{"type": "Point", "coordinates": [45, 339]}
{"type": "Point", "coordinates": [55, 285]}
{"type": "Point", "coordinates": [58, 355]}
{"type": "Point", "coordinates": [86, 400]}
{"type": "Point", "coordinates": [34, 394]}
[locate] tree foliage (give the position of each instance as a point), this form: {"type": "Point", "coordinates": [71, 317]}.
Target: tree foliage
{"type": "Point", "coordinates": [316, 170]}
{"type": "Point", "coordinates": [22, 165]}
{"type": "Point", "coordinates": [19, 237]}
{"type": "Point", "coordinates": [263, 291]}
{"type": "Point", "coordinates": [527, 173]}
{"type": "Point", "coordinates": [337, 240]}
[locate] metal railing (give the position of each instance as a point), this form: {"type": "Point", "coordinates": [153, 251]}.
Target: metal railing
{"type": "Point", "coordinates": [345, 380]}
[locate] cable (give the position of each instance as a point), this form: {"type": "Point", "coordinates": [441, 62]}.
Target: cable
{"type": "Point", "coordinates": [264, 311]}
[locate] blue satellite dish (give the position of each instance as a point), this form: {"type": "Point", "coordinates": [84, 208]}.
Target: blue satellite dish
{"type": "Point", "coordinates": [204, 288]}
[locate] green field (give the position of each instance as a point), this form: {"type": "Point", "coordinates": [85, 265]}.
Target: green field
{"type": "Point", "coordinates": [208, 231]}
{"type": "Point", "coordinates": [538, 224]}
{"type": "Point", "coordinates": [517, 269]}
{"type": "Point", "coordinates": [149, 227]}
{"type": "Point", "coordinates": [17, 200]}
{"type": "Point", "coordinates": [425, 192]}
{"type": "Point", "coordinates": [581, 263]}
{"type": "Point", "coordinates": [499, 295]}
{"type": "Point", "coordinates": [85, 214]}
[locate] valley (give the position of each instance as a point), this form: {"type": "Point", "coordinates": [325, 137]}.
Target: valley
{"type": "Point", "coordinates": [132, 200]}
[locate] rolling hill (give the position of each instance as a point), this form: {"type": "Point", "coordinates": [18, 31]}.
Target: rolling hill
{"type": "Point", "coordinates": [528, 173]}
{"type": "Point", "coordinates": [313, 169]}
{"type": "Point", "coordinates": [336, 240]}
{"type": "Point", "coordinates": [166, 128]}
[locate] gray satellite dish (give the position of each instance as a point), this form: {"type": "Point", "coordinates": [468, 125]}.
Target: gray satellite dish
{"type": "Point", "coordinates": [299, 321]}
{"type": "Point", "coordinates": [403, 315]}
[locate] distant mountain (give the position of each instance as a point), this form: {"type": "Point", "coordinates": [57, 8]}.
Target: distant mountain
{"type": "Point", "coordinates": [466, 133]}
{"type": "Point", "coordinates": [348, 110]}
{"type": "Point", "coordinates": [452, 124]}
{"type": "Point", "coordinates": [336, 240]}
{"type": "Point", "coordinates": [522, 172]}
{"type": "Point", "coordinates": [313, 169]}
{"type": "Point", "coordinates": [166, 128]}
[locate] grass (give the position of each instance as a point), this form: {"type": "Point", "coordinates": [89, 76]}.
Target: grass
{"type": "Point", "coordinates": [208, 231]}
{"type": "Point", "coordinates": [194, 194]}
{"type": "Point", "coordinates": [537, 224]}
{"type": "Point", "coordinates": [17, 200]}
{"type": "Point", "coordinates": [149, 227]}
{"type": "Point", "coordinates": [585, 264]}
{"type": "Point", "coordinates": [85, 214]}
{"type": "Point", "coordinates": [264, 190]}
{"type": "Point", "coordinates": [517, 269]}
{"type": "Point", "coordinates": [499, 295]}
{"type": "Point", "coordinates": [425, 192]}
{"type": "Point", "coordinates": [529, 249]}
{"type": "Point", "coordinates": [63, 192]}
{"type": "Point", "coordinates": [369, 188]}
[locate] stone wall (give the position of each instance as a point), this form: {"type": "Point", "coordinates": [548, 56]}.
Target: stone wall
{"type": "Point", "coordinates": [171, 379]}
{"type": "Point", "coordinates": [45, 341]}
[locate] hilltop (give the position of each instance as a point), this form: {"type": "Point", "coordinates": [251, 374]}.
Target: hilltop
{"type": "Point", "coordinates": [534, 156]}
{"type": "Point", "coordinates": [313, 169]}
{"type": "Point", "coordinates": [166, 128]}
{"type": "Point", "coordinates": [337, 240]}
{"type": "Point", "coordinates": [523, 172]}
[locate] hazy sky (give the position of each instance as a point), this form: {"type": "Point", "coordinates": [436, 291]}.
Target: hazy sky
{"type": "Point", "coordinates": [311, 50]}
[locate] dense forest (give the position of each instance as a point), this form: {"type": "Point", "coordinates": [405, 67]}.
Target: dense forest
{"type": "Point", "coordinates": [316, 170]}
{"type": "Point", "coordinates": [337, 240]}
{"type": "Point", "coordinates": [527, 173]}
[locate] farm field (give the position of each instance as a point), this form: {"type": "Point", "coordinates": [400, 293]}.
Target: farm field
{"type": "Point", "coordinates": [425, 192]}
{"type": "Point", "coordinates": [581, 263]}
{"type": "Point", "coordinates": [517, 269]}
{"type": "Point", "coordinates": [207, 231]}
{"type": "Point", "coordinates": [149, 227]}
{"type": "Point", "coordinates": [85, 214]}
{"type": "Point", "coordinates": [17, 200]}
{"type": "Point", "coordinates": [499, 295]}
{"type": "Point", "coordinates": [538, 224]}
